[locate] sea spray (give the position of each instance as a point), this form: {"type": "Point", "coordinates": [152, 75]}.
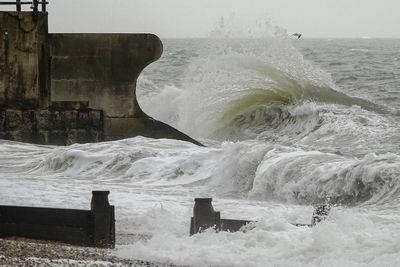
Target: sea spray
{"type": "Point", "coordinates": [243, 74]}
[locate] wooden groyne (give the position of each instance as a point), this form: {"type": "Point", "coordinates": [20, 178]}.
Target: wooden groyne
{"type": "Point", "coordinates": [94, 227]}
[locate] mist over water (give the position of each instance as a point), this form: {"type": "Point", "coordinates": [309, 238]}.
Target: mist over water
{"type": "Point", "coordinates": [288, 123]}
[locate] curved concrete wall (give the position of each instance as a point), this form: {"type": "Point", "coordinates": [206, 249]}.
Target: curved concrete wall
{"type": "Point", "coordinates": [101, 69]}
{"type": "Point", "coordinates": [66, 88]}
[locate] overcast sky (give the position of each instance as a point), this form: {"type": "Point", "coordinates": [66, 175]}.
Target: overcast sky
{"type": "Point", "coordinates": [196, 18]}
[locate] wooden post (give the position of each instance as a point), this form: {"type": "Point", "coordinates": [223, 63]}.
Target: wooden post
{"type": "Point", "coordinates": [103, 216]}
{"type": "Point", "coordinates": [218, 221]}
{"type": "Point", "coordinates": [44, 5]}
{"type": "Point", "coordinates": [203, 215]}
{"type": "Point", "coordinates": [18, 5]}
{"type": "Point", "coordinates": [35, 6]}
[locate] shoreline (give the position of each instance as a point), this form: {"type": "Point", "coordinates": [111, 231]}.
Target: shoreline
{"type": "Point", "coordinates": [29, 252]}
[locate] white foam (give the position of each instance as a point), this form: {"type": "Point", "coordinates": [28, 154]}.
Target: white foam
{"type": "Point", "coordinates": [153, 183]}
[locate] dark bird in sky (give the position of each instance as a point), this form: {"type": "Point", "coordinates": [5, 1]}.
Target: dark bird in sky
{"type": "Point", "coordinates": [298, 35]}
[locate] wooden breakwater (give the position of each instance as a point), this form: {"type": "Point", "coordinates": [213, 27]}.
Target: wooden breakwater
{"type": "Point", "coordinates": [94, 227]}
{"type": "Point", "coordinates": [204, 217]}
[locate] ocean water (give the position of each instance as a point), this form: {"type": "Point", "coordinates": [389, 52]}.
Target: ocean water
{"type": "Point", "coordinates": [288, 124]}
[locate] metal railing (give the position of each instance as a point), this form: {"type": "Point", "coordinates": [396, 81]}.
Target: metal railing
{"type": "Point", "coordinates": [34, 4]}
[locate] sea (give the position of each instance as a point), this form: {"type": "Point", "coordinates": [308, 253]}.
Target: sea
{"type": "Point", "coordinates": [287, 124]}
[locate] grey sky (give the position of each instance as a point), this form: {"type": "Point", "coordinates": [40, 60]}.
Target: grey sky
{"type": "Point", "coordinates": [196, 18]}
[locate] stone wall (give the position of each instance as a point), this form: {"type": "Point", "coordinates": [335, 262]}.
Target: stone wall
{"type": "Point", "coordinates": [63, 123]}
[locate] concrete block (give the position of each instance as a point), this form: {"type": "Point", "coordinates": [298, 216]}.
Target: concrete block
{"type": "Point", "coordinates": [43, 119]}
{"type": "Point", "coordinates": [69, 105]}
{"type": "Point", "coordinates": [83, 121]}
{"type": "Point", "coordinates": [27, 126]}
{"type": "Point", "coordinates": [101, 68]}
{"type": "Point", "coordinates": [14, 135]}
{"type": "Point", "coordinates": [28, 119]}
{"type": "Point", "coordinates": [97, 119]}
{"type": "Point", "coordinates": [95, 135]}
{"type": "Point", "coordinates": [57, 137]}
{"type": "Point", "coordinates": [13, 119]}
{"type": "Point", "coordinates": [43, 137]}
{"type": "Point", "coordinates": [71, 117]}
{"type": "Point", "coordinates": [58, 120]}
{"type": "Point", "coordinates": [28, 116]}
{"type": "Point", "coordinates": [76, 136]}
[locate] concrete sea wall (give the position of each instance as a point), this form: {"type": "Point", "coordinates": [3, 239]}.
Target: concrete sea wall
{"type": "Point", "coordinates": [101, 69]}
{"type": "Point", "coordinates": [84, 83]}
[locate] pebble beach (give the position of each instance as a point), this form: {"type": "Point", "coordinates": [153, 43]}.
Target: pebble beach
{"type": "Point", "coordinates": [28, 252]}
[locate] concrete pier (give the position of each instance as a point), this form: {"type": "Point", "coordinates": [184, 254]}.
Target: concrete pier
{"type": "Point", "coordinates": [66, 88]}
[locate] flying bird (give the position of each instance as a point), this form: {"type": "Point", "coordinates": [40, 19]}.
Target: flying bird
{"type": "Point", "coordinates": [298, 35]}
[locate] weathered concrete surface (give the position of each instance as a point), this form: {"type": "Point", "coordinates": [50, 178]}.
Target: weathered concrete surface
{"type": "Point", "coordinates": [103, 69]}
{"type": "Point", "coordinates": [62, 124]}
{"type": "Point", "coordinates": [24, 58]}
{"type": "Point", "coordinates": [92, 79]}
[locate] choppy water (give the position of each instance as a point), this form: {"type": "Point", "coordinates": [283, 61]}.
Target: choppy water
{"type": "Point", "coordinates": [287, 124]}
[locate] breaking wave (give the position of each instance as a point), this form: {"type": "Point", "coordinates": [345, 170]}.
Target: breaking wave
{"type": "Point", "coordinates": [245, 88]}
{"type": "Point", "coordinates": [247, 169]}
